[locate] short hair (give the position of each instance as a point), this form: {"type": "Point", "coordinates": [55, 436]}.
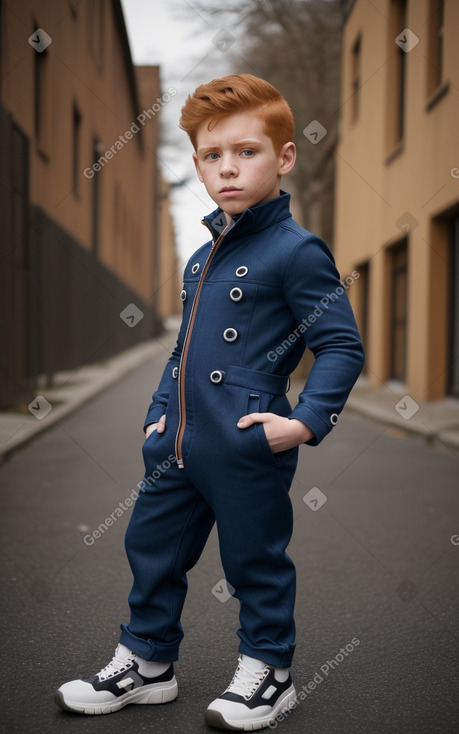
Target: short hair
{"type": "Point", "coordinates": [235, 93]}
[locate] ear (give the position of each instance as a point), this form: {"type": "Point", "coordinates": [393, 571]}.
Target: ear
{"type": "Point", "coordinates": [287, 158]}
{"type": "Point", "coordinates": [198, 170]}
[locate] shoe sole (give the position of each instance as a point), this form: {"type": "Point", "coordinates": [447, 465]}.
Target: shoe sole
{"type": "Point", "coordinates": [154, 693]}
{"type": "Point", "coordinates": [215, 718]}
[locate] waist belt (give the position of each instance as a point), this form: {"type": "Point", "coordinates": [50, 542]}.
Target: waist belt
{"type": "Point", "coordinates": [252, 379]}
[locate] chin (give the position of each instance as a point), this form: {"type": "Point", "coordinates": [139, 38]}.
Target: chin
{"type": "Point", "coordinates": [232, 207]}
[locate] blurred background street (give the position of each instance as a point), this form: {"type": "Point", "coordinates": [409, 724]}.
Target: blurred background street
{"type": "Point", "coordinates": [100, 209]}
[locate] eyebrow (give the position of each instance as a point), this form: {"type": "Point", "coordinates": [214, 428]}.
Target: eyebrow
{"type": "Point", "coordinates": [237, 143]}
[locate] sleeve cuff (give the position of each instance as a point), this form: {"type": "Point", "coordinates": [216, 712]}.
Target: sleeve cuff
{"type": "Point", "coordinates": [314, 422]}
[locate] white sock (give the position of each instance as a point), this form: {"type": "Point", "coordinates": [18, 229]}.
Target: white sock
{"type": "Point", "coordinates": [252, 664]}
{"type": "Point", "coordinates": [150, 668]}
{"type": "Point", "coordinates": [280, 674]}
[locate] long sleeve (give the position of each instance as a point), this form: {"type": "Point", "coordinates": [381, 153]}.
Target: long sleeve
{"type": "Point", "coordinates": [167, 383]}
{"type": "Point", "coordinates": [319, 303]}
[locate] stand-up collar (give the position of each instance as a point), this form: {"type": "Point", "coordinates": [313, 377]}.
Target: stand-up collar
{"type": "Point", "coordinates": [253, 219]}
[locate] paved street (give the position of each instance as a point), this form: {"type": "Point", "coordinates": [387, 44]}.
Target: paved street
{"type": "Point", "coordinates": [377, 606]}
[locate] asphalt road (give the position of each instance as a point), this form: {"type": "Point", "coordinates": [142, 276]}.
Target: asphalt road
{"type": "Point", "coordinates": [377, 578]}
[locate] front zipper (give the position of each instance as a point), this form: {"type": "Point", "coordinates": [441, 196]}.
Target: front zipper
{"type": "Point", "coordinates": [186, 341]}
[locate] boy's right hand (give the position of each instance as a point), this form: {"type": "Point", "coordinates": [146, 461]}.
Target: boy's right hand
{"type": "Point", "coordinates": [160, 426]}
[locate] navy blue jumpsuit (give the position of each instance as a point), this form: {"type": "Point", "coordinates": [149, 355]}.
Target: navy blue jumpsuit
{"type": "Point", "coordinates": [253, 298]}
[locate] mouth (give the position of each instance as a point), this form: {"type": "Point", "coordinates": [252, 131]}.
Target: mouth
{"type": "Point", "coordinates": [229, 189]}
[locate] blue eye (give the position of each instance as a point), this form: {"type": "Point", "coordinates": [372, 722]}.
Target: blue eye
{"type": "Point", "coordinates": [247, 153]}
{"type": "Point", "coordinates": [212, 156]}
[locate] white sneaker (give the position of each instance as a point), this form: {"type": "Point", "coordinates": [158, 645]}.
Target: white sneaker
{"type": "Point", "coordinates": [121, 682]}
{"type": "Point", "coordinates": [256, 695]}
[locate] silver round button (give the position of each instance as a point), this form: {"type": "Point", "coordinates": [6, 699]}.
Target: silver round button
{"type": "Point", "coordinates": [230, 335]}
{"type": "Point", "coordinates": [183, 295]}
{"type": "Point", "coordinates": [216, 376]}
{"type": "Point", "coordinates": [175, 373]}
{"type": "Point", "coordinates": [241, 271]}
{"type": "Point", "coordinates": [334, 419]}
{"type": "Point", "coordinates": [235, 294]}
{"type": "Point", "coordinates": [195, 268]}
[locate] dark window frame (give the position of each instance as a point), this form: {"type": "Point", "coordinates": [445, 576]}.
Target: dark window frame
{"type": "Point", "coordinates": [76, 148]}
{"type": "Point", "coordinates": [396, 87]}
{"type": "Point", "coordinates": [453, 378]}
{"type": "Point", "coordinates": [398, 254]}
{"type": "Point", "coordinates": [356, 69]}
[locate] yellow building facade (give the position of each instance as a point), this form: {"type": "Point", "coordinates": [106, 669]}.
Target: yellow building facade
{"type": "Point", "coordinates": [397, 189]}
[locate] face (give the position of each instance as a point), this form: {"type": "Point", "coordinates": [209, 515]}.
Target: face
{"type": "Point", "coordinates": [237, 163]}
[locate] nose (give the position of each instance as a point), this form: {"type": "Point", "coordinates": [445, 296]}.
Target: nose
{"type": "Point", "coordinates": [228, 166]}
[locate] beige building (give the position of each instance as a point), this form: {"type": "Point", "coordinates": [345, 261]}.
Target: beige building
{"type": "Point", "coordinates": [397, 189]}
{"type": "Point", "coordinates": [86, 239]}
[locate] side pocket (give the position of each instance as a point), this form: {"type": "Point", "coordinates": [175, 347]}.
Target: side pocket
{"type": "Point", "coordinates": [254, 406]}
{"type": "Point", "coordinates": [253, 403]}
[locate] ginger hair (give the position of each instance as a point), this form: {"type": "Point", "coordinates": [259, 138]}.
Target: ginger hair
{"type": "Point", "coordinates": [235, 93]}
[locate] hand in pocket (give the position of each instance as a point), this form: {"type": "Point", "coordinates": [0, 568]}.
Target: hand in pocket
{"type": "Point", "coordinates": [281, 433]}
{"type": "Point", "coordinates": [160, 426]}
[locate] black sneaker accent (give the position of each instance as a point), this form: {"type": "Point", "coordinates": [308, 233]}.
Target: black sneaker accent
{"type": "Point", "coordinates": [132, 677]}
{"type": "Point", "coordinates": [242, 707]}
{"type": "Point", "coordinates": [117, 685]}
{"type": "Point", "coordinates": [256, 698]}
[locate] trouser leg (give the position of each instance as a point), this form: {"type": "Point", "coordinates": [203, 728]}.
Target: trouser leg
{"type": "Point", "coordinates": [257, 566]}
{"type": "Point", "coordinates": [169, 527]}
{"type": "Point", "coordinates": [254, 519]}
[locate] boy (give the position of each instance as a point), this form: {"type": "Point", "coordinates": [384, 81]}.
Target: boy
{"type": "Point", "coordinates": [220, 424]}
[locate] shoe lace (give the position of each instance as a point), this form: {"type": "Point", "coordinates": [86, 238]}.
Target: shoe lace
{"type": "Point", "coordinates": [245, 682]}
{"type": "Point", "coordinates": [117, 664]}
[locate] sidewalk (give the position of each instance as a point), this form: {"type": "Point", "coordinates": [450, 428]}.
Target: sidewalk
{"type": "Point", "coordinates": [437, 421]}
{"type": "Point", "coordinates": [71, 389]}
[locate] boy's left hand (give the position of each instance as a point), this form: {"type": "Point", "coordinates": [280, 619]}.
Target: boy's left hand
{"type": "Point", "coordinates": [281, 433]}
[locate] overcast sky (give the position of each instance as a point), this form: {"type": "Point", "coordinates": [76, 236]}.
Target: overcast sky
{"type": "Point", "coordinates": [190, 49]}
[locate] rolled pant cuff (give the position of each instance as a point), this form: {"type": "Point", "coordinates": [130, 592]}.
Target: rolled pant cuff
{"type": "Point", "coordinates": [160, 652]}
{"type": "Point", "coordinates": [282, 659]}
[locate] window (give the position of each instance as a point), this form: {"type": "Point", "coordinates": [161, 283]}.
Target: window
{"type": "Point", "coordinates": [95, 9]}
{"type": "Point", "coordinates": [97, 147]}
{"type": "Point", "coordinates": [435, 46]}
{"type": "Point", "coordinates": [398, 310]}
{"type": "Point", "coordinates": [73, 7]}
{"type": "Point", "coordinates": [396, 77]}
{"type": "Point", "coordinates": [76, 145]}
{"type": "Point", "coordinates": [363, 301]}
{"type": "Point", "coordinates": [454, 355]}
{"type": "Point", "coordinates": [42, 100]}
{"type": "Point", "coordinates": [355, 78]}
